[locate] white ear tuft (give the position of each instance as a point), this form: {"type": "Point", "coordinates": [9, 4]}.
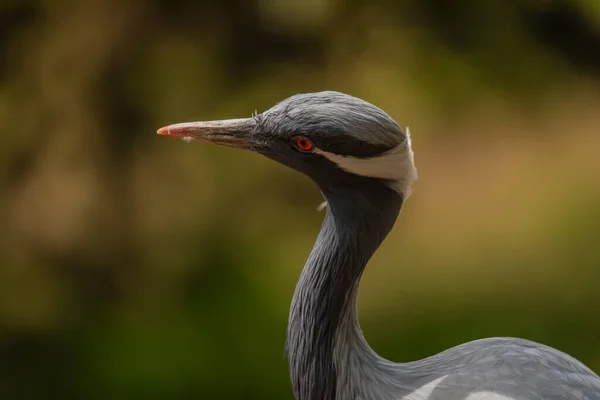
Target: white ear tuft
{"type": "Point", "coordinates": [396, 165]}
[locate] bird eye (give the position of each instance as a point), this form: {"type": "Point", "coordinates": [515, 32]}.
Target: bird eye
{"type": "Point", "coordinates": [304, 144]}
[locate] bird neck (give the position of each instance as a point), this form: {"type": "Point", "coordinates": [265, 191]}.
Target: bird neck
{"type": "Point", "coordinates": [324, 337]}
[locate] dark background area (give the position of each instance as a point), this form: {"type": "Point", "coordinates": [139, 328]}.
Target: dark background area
{"type": "Point", "coordinates": [135, 267]}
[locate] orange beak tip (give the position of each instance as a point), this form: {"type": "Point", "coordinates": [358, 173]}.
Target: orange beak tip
{"type": "Point", "coordinates": [163, 131]}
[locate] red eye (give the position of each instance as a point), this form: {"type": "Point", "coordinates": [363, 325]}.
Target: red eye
{"type": "Point", "coordinates": [304, 144]}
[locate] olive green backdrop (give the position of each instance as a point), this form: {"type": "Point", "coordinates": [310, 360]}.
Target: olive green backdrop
{"type": "Point", "coordinates": [133, 266]}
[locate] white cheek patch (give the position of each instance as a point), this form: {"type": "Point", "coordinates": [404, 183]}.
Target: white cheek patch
{"type": "Point", "coordinates": [396, 165]}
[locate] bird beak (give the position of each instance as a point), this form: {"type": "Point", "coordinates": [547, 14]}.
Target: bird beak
{"type": "Point", "coordinates": [230, 132]}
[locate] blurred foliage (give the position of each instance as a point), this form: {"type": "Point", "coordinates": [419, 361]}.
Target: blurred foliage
{"type": "Point", "coordinates": [138, 268]}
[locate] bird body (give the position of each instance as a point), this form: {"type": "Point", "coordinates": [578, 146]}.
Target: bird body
{"type": "Point", "coordinates": [363, 163]}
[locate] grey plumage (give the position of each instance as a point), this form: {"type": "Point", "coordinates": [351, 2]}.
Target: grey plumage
{"type": "Point", "coordinates": [334, 116]}
{"type": "Point", "coordinates": [363, 163]}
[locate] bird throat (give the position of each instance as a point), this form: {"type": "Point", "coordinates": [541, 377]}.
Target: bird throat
{"type": "Point", "coordinates": [324, 338]}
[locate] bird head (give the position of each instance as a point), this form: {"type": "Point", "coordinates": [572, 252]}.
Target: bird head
{"type": "Point", "coordinates": [339, 141]}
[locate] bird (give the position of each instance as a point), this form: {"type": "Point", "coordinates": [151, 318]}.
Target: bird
{"type": "Point", "coordinates": [363, 163]}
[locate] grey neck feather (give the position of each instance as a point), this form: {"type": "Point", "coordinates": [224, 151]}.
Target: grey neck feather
{"type": "Point", "coordinates": [324, 338]}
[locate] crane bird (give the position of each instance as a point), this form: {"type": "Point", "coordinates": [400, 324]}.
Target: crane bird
{"type": "Point", "coordinates": [363, 163]}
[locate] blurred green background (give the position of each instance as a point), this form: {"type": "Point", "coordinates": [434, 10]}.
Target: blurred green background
{"type": "Point", "coordinates": [138, 267]}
